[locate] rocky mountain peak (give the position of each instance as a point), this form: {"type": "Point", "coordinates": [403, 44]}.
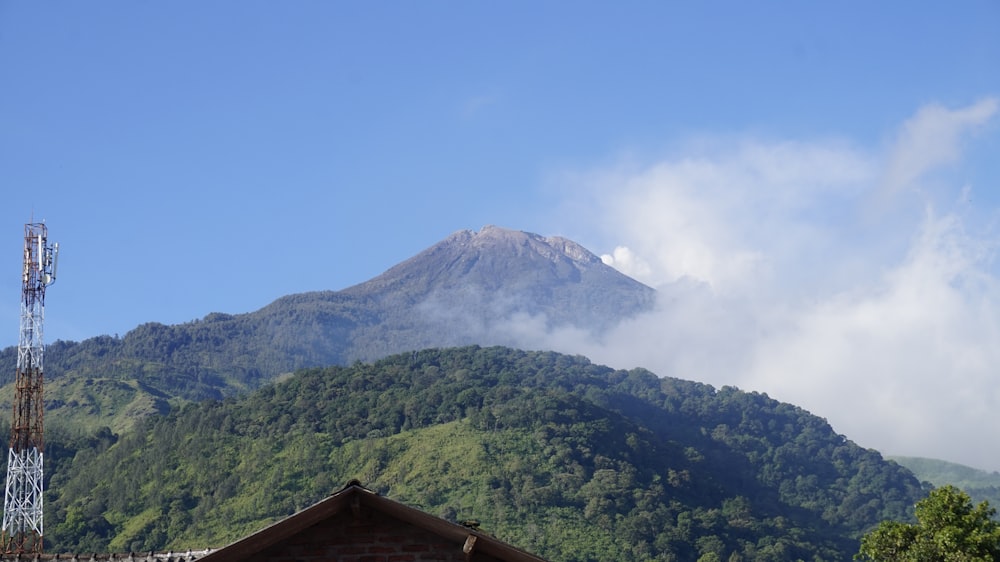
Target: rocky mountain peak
{"type": "Point", "coordinates": [485, 278]}
{"type": "Point", "coordinates": [552, 247]}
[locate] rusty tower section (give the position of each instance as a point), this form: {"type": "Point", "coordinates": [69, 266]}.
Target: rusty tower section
{"type": "Point", "coordinates": [22, 530]}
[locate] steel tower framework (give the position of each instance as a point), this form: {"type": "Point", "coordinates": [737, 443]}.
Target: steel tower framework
{"type": "Point", "coordinates": [22, 529]}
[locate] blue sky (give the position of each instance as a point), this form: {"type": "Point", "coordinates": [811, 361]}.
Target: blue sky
{"type": "Point", "coordinates": [816, 180]}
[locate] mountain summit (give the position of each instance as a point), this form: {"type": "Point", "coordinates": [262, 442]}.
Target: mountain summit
{"type": "Point", "coordinates": [492, 258]}
{"type": "Point", "coordinates": [494, 286]}
{"type": "Point", "coordinates": [480, 280]}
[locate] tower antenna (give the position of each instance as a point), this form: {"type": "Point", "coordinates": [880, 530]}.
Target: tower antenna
{"type": "Point", "coordinates": [22, 529]}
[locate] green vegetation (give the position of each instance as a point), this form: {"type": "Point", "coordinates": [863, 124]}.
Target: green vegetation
{"type": "Point", "coordinates": [948, 529]}
{"type": "Point", "coordinates": [562, 457]}
{"type": "Point", "coordinates": [979, 484]}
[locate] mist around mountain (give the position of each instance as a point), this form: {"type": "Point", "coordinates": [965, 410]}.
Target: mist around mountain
{"type": "Point", "coordinates": [484, 287]}
{"type": "Point", "coordinates": [568, 459]}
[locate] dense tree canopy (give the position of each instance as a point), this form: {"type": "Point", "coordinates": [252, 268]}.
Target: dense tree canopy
{"type": "Point", "coordinates": [949, 528]}
{"type": "Point", "coordinates": [571, 460]}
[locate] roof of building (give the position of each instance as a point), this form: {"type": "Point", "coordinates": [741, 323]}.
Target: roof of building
{"type": "Point", "coordinates": [352, 497]}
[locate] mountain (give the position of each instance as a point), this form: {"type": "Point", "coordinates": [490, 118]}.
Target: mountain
{"type": "Point", "coordinates": [568, 459]}
{"type": "Point", "coordinates": [979, 484]}
{"type": "Point", "coordinates": [481, 287]}
{"type": "Point", "coordinates": [475, 287]}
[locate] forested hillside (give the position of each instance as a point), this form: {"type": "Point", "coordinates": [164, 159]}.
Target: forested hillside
{"type": "Point", "coordinates": [568, 459]}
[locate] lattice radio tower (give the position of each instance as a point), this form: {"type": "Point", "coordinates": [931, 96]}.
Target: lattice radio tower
{"type": "Point", "coordinates": [22, 509]}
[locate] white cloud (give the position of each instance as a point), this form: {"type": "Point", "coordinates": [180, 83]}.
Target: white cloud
{"type": "Point", "coordinates": [931, 138]}
{"type": "Point", "coordinates": [625, 260]}
{"type": "Point", "coordinates": [774, 278]}
{"type": "Point", "coordinates": [906, 361]}
{"type": "Point", "coordinates": [704, 217]}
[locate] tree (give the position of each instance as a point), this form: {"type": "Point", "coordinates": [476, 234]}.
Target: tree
{"type": "Point", "coordinates": [948, 529]}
